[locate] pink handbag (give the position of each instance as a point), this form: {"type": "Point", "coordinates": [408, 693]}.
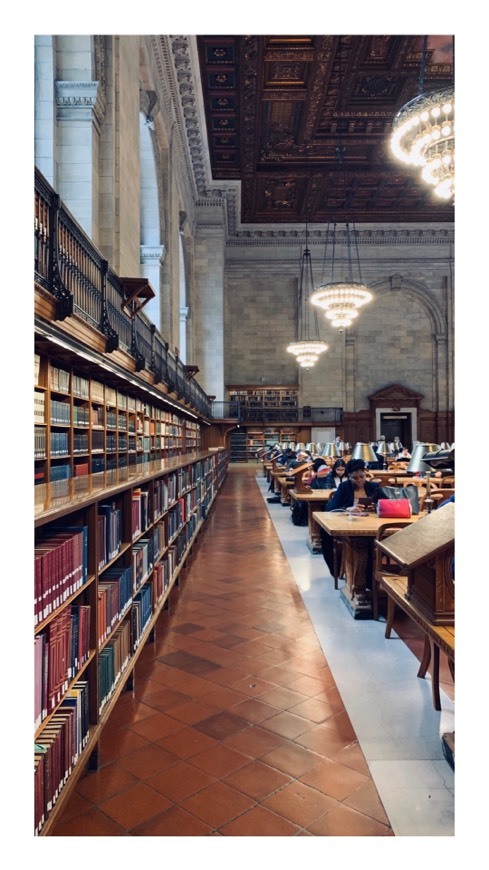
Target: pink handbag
{"type": "Point", "coordinates": [394, 508]}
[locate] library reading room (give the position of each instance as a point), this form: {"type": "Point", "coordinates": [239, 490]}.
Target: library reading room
{"type": "Point", "coordinates": [244, 434]}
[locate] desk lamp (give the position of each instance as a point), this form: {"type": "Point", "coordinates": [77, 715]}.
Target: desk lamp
{"type": "Point", "coordinates": [363, 450]}
{"type": "Point", "coordinates": [383, 450]}
{"type": "Point", "coordinates": [416, 463]}
{"type": "Point", "coordinates": [331, 449]}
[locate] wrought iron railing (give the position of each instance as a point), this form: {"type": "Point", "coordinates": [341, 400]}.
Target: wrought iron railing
{"type": "Point", "coordinates": [306, 415]}
{"type": "Point", "coordinates": [69, 266]}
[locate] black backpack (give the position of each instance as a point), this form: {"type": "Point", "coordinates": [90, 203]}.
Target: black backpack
{"type": "Point", "coordinates": [299, 513]}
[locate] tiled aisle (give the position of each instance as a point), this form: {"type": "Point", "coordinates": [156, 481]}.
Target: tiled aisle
{"type": "Point", "coordinates": [237, 725]}
{"type": "Point", "coordinates": [389, 707]}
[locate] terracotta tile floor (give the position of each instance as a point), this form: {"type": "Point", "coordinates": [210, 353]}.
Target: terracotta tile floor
{"type": "Point", "coordinates": [235, 726]}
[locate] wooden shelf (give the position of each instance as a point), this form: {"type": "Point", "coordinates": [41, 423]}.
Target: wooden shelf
{"type": "Point", "coordinates": [122, 492]}
{"type": "Point", "coordinates": [258, 396]}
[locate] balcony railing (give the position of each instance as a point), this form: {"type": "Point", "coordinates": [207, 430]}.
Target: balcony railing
{"type": "Point", "coordinates": [306, 415]}
{"type": "Point", "coordinates": [68, 266]}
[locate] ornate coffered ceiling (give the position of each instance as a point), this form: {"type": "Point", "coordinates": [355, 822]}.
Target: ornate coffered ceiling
{"type": "Point", "coordinates": [283, 113]}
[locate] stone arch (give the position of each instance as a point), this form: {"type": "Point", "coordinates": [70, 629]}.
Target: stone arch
{"type": "Point", "coordinates": [418, 292]}
{"type": "Point", "coordinates": [414, 349]}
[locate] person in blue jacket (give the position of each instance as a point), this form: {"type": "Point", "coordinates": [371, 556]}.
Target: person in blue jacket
{"type": "Point", "coordinates": [337, 475]}
{"type": "Point", "coordinates": [346, 496]}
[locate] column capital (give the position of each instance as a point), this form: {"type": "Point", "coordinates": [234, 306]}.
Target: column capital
{"type": "Point", "coordinates": [76, 101]}
{"type": "Point", "coordinates": [152, 254]}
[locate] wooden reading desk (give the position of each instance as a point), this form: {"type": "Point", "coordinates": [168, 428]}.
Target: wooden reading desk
{"type": "Point", "coordinates": [357, 535]}
{"type": "Point", "coordinates": [436, 637]}
{"type": "Point", "coordinates": [316, 500]}
{"type": "Point", "coordinates": [285, 482]}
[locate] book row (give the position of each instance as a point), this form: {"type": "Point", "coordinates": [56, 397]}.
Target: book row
{"type": "Point", "coordinates": [60, 651]}
{"type": "Point", "coordinates": [63, 647]}
{"type": "Point", "coordinates": [103, 573]}
{"type": "Point", "coordinates": [63, 381]}
{"type": "Point", "coordinates": [60, 568]}
{"type": "Point", "coordinates": [57, 750]}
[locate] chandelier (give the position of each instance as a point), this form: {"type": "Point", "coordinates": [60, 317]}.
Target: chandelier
{"type": "Point", "coordinates": [342, 299]}
{"type": "Point", "coordinates": [423, 135]}
{"type": "Point", "coordinates": [305, 348]}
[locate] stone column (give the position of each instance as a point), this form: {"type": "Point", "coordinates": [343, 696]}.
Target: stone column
{"type": "Point", "coordinates": [80, 108]}
{"type": "Point", "coordinates": [152, 259]}
{"type": "Point", "coordinates": [184, 310]}
{"type": "Point", "coordinates": [207, 302]}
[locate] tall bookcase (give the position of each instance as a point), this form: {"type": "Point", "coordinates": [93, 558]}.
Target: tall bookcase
{"type": "Point", "coordinates": [122, 490]}
{"type": "Point", "coordinates": [237, 446]}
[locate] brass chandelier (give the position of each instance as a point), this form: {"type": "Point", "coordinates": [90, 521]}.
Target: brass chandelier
{"type": "Point", "coordinates": [423, 135]}
{"type": "Point", "coordinates": [342, 299]}
{"type": "Point", "coordinates": [305, 348]}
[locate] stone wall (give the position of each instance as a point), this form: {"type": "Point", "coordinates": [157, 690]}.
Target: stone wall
{"type": "Point", "coordinates": [403, 336]}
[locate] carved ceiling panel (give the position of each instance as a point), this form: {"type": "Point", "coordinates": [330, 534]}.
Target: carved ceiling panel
{"type": "Point", "coordinates": [283, 112]}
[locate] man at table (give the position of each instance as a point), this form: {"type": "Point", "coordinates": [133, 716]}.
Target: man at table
{"type": "Point", "coordinates": [355, 487]}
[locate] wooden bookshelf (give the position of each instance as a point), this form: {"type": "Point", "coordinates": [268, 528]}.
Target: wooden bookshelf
{"type": "Point", "coordinates": [122, 491]}
{"type": "Point", "coordinates": [83, 426]}
{"type": "Point", "coordinates": [261, 436]}
{"type": "Point", "coordinates": [253, 396]}
{"type": "Point", "coordinates": [237, 446]}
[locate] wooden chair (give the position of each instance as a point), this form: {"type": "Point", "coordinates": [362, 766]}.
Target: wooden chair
{"type": "Point", "coordinates": [395, 466]}
{"type": "Point", "coordinates": [382, 563]}
{"type": "Point", "coordinates": [441, 494]}
{"type": "Point", "coordinates": [422, 493]}
{"type": "Point", "coordinates": [416, 481]}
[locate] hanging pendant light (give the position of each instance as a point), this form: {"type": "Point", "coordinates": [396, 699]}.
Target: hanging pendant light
{"type": "Point", "coordinates": [342, 299]}
{"type": "Point", "coordinates": [306, 349]}
{"type": "Point", "coordinates": [423, 135]}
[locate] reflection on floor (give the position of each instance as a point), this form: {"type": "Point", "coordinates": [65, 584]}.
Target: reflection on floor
{"type": "Point", "coordinates": [263, 708]}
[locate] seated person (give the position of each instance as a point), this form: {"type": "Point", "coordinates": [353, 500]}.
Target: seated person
{"type": "Point", "coordinates": [346, 496]}
{"type": "Point", "coordinates": [287, 457]}
{"type": "Point", "coordinates": [354, 487]}
{"type": "Point", "coordinates": [313, 480]}
{"type": "Point", "coordinates": [337, 475]}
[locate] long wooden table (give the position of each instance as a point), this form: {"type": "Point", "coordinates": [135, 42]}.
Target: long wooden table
{"type": "Point", "coordinates": [357, 535]}
{"type": "Point", "coordinates": [436, 637]}
{"type": "Point", "coordinates": [316, 500]}
{"type": "Point", "coordinates": [384, 476]}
